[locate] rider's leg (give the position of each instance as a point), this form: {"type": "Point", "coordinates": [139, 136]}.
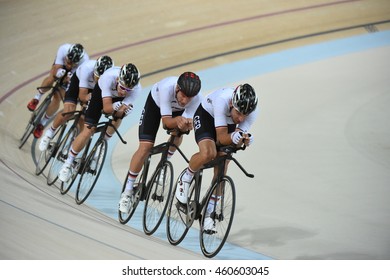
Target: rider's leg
{"type": "Point", "coordinates": [110, 131]}
{"type": "Point", "coordinates": [60, 119]}
{"type": "Point", "coordinates": [207, 152]}
{"type": "Point", "coordinates": [177, 141]}
{"type": "Point", "coordinates": [136, 163]}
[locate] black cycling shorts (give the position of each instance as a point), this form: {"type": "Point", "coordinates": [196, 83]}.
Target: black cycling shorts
{"type": "Point", "coordinates": [150, 120]}
{"type": "Point", "coordinates": [95, 106]}
{"type": "Point", "coordinates": [204, 125]}
{"type": "Point", "coordinates": [72, 94]}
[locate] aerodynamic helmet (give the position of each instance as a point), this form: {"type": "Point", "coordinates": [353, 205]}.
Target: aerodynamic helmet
{"type": "Point", "coordinates": [189, 83]}
{"type": "Point", "coordinates": [102, 64]}
{"type": "Point", "coordinates": [129, 75]}
{"type": "Point", "coordinates": [75, 53]}
{"type": "Point", "coordinates": [244, 99]}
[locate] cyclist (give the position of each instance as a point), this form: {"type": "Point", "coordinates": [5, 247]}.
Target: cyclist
{"type": "Point", "coordinates": [68, 58]}
{"type": "Point", "coordinates": [81, 85]}
{"type": "Point", "coordinates": [114, 93]}
{"type": "Point", "coordinates": [223, 118]}
{"type": "Point", "coordinates": [172, 100]}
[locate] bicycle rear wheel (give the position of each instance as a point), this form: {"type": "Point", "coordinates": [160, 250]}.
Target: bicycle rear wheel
{"type": "Point", "coordinates": [180, 216]}
{"type": "Point", "coordinates": [91, 171]}
{"type": "Point", "coordinates": [138, 189]}
{"type": "Point", "coordinates": [61, 155]}
{"type": "Point", "coordinates": [157, 197]}
{"type": "Point", "coordinates": [211, 242]}
{"type": "Point", "coordinates": [49, 153]}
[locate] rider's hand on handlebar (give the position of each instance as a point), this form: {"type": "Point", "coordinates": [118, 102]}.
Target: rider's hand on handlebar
{"type": "Point", "coordinates": [60, 73]}
{"type": "Point", "coordinates": [242, 138]}
{"type": "Point", "coordinates": [247, 139]}
{"type": "Point", "coordinates": [128, 109]}
{"type": "Point", "coordinates": [117, 105]}
{"type": "Point", "coordinates": [185, 124]}
{"type": "Point", "coordinates": [236, 137]}
{"type": "Point", "coordinates": [121, 109]}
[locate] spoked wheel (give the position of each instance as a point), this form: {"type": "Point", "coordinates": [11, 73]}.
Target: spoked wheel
{"type": "Point", "coordinates": [138, 189]}
{"type": "Point", "coordinates": [61, 155]}
{"type": "Point", "coordinates": [35, 118]}
{"type": "Point", "coordinates": [91, 171]}
{"type": "Point", "coordinates": [27, 132]}
{"type": "Point", "coordinates": [180, 216]}
{"type": "Point", "coordinates": [157, 198]}
{"type": "Point", "coordinates": [49, 153]}
{"type": "Point", "coordinates": [216, 221]}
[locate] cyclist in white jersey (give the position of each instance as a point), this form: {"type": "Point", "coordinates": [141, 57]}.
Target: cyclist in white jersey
{"type": "Point", "coordinates": [172, 100]}
{"type": "Point", "coordinates": [115, 93]}
{"type": "Point", "coordinates": [81, 85]}
{"type": "Point", "coordinates": [68, 58]}
{"type": "Point", "coordinates": [224, 118]}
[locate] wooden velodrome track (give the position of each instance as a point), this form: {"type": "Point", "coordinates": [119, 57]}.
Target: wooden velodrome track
{"type": "Point", "coordinates": [162, 38]}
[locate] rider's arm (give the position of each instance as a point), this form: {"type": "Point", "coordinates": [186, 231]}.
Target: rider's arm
{"type": "Point", "coordinates": [54, 71]}
{"type": "Point", "coordinates": [223, 137]}
{"type": "Point", "coordinates": [180, 122]}
{"type": "Point", "coordinates": [107, 105]}
{"type": "Point", "coordinates": [84, 95]}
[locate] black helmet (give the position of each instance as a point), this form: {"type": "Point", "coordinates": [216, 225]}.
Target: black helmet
{"type": "Point", "coordinates": [75, 53]}
{"type": "Point", "coordinates": [244, 99]}
{"type": "Point", "coordinates": [102, 64]}
{"type": "Point", "coordinates": [189, 83]}
{"type": "Point", "coordinates": [129, 75]}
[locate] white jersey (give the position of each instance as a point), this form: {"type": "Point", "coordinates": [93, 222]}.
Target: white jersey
{"type": "Point", "coordinates": [108, 84]}
{"type": "Point", "coordinates": [85, 74]}
{"type": "Point", "coordinates": [61, 54]}
{"type": "Point", "coordinates": [164, 94]}
{"type": "Point", "coordinates": [218, 104]}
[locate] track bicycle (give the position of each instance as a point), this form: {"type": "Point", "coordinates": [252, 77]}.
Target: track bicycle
{"type": "Point", "coordinates": [90, 164]}
{"type": "Point", "coordinates": [156, 191]}
{"type": "Point", "coordinates": [39, 113]}
{"type": "Point", "coordinates": [180, 217]}
{"type": "Point", "coordinates": [61, 146]}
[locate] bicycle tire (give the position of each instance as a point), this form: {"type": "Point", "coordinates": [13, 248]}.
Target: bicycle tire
{"type": "Point", "coordinates": [46, 156]}
{"type": "Point", "coordinates": [61, 155]}
{"type": "Point", "coordinates": [180, 216]}
{"type": "Point", "coordinates": [91, 172]}
{"type": "Point", "coordinates": [157, 198]}
{"type": "Point", "coordinates": [34, 120]}
{"type": "Point", "coordinates": [27, 132]}
{"type": "Point", "coordinates": [123, 217]}
{"type": "Point", "coordinates": [223, 214]}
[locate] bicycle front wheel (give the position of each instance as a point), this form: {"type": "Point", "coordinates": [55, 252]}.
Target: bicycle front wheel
{"type": "Point", "coordinates": [91, 171]}
{"type": "Point", "coordinates": [138, 189]}
{"type": "Point", "coordinates": [27, 132]}
{"type": "Point", "coordinates": [221, 212]}
{"type": "Point", "coordinates": [180, 216]}
{"type": "Point", "coordinates": [35, 118]}
{"type": "Point", "coordinates": [157, 197]}
{"type": "Point", "coordinates": [49, 153]}
{"type": "Point", "coordinates": [61, 155]}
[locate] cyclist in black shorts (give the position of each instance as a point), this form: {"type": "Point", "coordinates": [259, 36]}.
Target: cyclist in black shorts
{"type": "Point", "coordinates": [81, 85]}
{"type": "Point", "coordinates": [223, 118]}
{"type": "Point", "coordinates": [172, 100]}
{"type": "Point", "coordinates": [115, 93]}
{"type": "Point", "coordinates": [69, 57]}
